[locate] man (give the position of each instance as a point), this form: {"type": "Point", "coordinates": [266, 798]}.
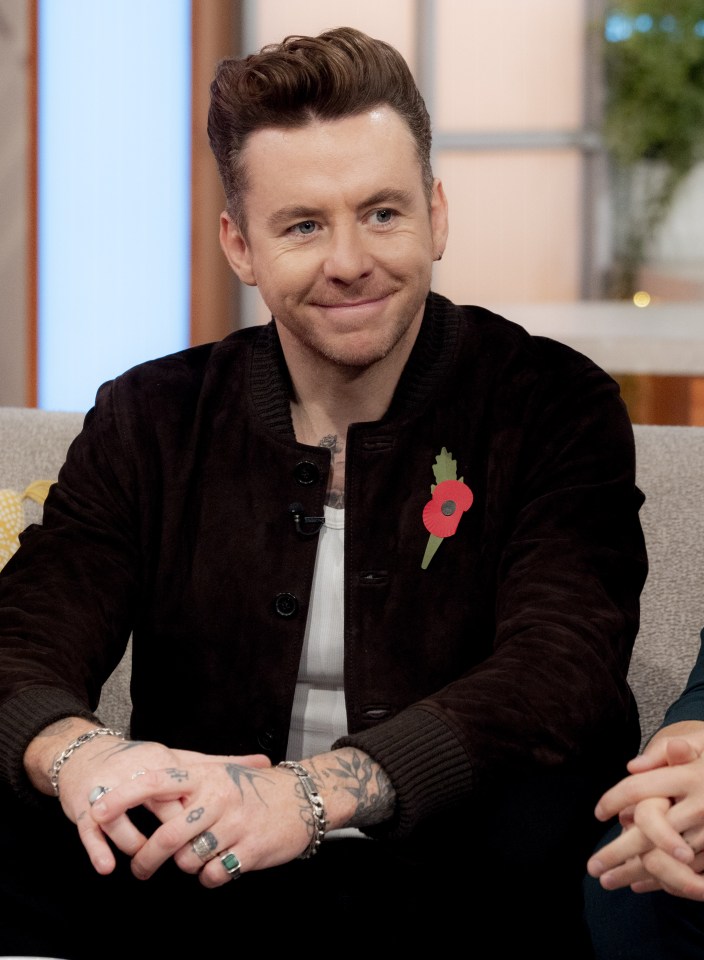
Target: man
{"type": "Point", "coordinates": [390, 541]}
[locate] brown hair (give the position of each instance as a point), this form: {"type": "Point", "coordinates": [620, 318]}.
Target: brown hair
{"type": "Point", "coordinates": [338, 74]}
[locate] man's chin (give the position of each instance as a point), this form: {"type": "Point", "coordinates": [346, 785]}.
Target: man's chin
{"type": "Point", "coordinates": [357, 353]}
{"type": "Point", "coordinates": [354, 361]}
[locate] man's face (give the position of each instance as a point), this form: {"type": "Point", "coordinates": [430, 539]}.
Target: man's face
{"type": "Point", "coordinates": [340, 237]}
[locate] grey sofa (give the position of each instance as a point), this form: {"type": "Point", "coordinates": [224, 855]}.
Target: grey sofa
{"type": "Point", "coordinates": [670, 471]}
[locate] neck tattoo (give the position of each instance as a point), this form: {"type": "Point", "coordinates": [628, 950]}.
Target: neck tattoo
{"type": "Point", "coordinates": [336, 495]}
{"type": "Point", "coordinates": [330, 441]}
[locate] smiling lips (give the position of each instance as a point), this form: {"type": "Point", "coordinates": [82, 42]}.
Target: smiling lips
{"type": "Point", "coordinates": [351, 304]}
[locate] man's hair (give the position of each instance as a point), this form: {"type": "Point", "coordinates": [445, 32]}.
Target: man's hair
{"type": "Point", "coordinates": [340, 73]}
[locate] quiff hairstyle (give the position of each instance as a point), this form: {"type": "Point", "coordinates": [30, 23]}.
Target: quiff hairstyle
{"type": "Point", "coordinates": [340, 73]}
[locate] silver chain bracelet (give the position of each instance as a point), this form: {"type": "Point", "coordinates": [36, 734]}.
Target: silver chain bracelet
{"type": "Point", "coordinates": [316, 805]}
{"type": "Point", "coordinates": [74, 745]}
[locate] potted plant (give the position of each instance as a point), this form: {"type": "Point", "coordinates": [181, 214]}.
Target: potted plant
{"type": "Point", "coordinates": [653, 126]}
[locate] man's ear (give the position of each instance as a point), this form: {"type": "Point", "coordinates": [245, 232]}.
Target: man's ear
{"type": "Point", "coordinates": [438, 219]}
{"type": "Point", "coordinates": [236, 250]}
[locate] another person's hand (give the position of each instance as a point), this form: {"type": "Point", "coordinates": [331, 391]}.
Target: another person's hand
{"type": "Point", "coordinates": [659, 751]}
{"type": "Point", "coordinates": [661, 809]}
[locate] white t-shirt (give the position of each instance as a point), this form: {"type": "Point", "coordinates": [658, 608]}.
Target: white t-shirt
{"type": "Point", "coordinates": [319, 713]}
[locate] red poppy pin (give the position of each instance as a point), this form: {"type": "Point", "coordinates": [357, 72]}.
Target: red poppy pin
{"type": "Point", "coordinates": [451, 498]}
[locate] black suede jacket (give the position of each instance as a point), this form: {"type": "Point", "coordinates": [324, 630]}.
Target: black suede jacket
{"type": "Point", "coordinates": [172, 520]}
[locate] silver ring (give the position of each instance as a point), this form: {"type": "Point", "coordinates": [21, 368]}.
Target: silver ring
{"type": "Point", "coordinates": [97, 793]}
{"type": "Point", "coordinates": [137, 773]}
{"type": "Point", "coordinates": [231, 864]}
{"type": "Point", "coordinates": [205, 846]}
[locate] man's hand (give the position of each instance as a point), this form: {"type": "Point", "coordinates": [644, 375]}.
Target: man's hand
{"type": "Point", "coordinates": [258, 812]}
{"type": "Point", "coordinates": [238, 803]}
{"type": "Point", "coordinates": [113, 764]}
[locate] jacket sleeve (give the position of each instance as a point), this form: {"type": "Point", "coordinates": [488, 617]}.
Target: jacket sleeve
{"type": "Point", "coordinates": [690, 703]}
{"type": "Point", "coordinates": [61, 638]}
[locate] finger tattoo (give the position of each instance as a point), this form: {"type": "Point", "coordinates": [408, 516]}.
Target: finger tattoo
{"type": "Point", "coordinates": [176, 774]}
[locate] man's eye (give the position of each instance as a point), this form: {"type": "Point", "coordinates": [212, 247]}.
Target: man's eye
{"type": "Point", "coordinates": [384, 215]}
{"type": "Point", "coordinates": [305, 228]}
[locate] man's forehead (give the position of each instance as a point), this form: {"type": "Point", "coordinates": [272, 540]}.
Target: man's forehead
{"type": "Point", "coordinates": [358, 149]}
{"type": "Point", "coordinates": [378, 122]}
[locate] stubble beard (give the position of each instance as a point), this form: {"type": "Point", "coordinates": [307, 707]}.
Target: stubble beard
{"type": "Point", "coordinates": [371, 354]}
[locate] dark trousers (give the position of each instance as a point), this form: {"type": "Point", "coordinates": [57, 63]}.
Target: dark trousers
{"type": "Point", "coordinates": [642, 926]}
{"type": "Point", "coordinates": [509, 878]}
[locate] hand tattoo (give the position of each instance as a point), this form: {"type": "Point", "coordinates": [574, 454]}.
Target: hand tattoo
{"type": "Point", "coordinates": [238, 774]}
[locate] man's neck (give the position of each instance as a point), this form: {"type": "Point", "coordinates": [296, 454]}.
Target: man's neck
{"type": "Point", "coordinates": [321, 416]}
{"type": "Point", "coordinates": [328, 398]}
{"type": "Point", "coordinates": [330, 404]}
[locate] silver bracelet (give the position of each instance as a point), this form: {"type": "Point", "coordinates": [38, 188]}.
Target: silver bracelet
{"type": "Point", "coordinates": [74, 745]}
{"type": "Point", "coordinates": [316, 805]}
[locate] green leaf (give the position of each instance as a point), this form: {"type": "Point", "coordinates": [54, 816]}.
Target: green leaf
{"type": "Point", "coordinates": [445, 467]}
{"type": "Point", "coordinates": [433, 544]}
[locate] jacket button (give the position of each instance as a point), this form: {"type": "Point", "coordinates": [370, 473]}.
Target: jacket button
{"type": "Point", "coordinates": [285, 604]}
{"type": "Point", "coordinates": [305, 472]}
{"type": "Point", "coordinates": [266, 739]}
{"type": "Point", "coordinates": [376, 713]}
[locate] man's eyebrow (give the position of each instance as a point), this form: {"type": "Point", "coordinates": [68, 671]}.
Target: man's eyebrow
{"type": "Point", "coordinates": [291, 214]}
{"type": "Point", "coordinates": [389, 196]}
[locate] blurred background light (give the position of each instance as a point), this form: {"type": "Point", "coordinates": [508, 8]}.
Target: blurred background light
{"type": "Point", "coordinates": [617, 27]}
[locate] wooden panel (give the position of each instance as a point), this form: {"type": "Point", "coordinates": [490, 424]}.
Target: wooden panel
{"type": "Point", "coordinates": [214, 302]}
{"type": "Point", "coordinates": [663, 400]}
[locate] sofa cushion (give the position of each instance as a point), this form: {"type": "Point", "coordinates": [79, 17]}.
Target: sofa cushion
{"type": "Point", "coordinates": [670, 472]}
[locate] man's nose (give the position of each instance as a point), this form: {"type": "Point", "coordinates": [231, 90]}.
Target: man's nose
{"type": "Point", "coordinates": [348, 257]}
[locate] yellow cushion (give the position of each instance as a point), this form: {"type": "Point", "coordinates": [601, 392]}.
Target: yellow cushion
{"type": "Point", "coordinates": [12, 520]}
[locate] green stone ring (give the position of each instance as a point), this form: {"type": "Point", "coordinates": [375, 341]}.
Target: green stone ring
{"type": "Point", "coordinates": [231, 864]}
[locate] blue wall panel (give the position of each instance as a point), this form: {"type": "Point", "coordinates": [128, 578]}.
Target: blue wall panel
{"type": "Point", "coordinates": [114, 190]}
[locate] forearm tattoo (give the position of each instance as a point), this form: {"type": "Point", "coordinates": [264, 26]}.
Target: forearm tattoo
{"type": "Point", "coordinates": [366, 781]}
{"type": "Point", "coordinates": [56, 728]}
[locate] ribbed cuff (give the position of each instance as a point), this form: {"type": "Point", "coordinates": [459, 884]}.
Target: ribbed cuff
{"type": "Point", "coordinates": [22, 718]}
{"type": "Point", "coordinates": [426, 763]}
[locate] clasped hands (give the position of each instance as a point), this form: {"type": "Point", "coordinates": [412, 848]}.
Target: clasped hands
{"type": "Point", "coordinates": [660, 807]}
{"type": "Point", "coordinates": [242, 803]}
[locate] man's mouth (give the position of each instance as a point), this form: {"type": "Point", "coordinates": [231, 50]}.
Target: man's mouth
{"type": "Point", "coordinates": [351, 303]}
